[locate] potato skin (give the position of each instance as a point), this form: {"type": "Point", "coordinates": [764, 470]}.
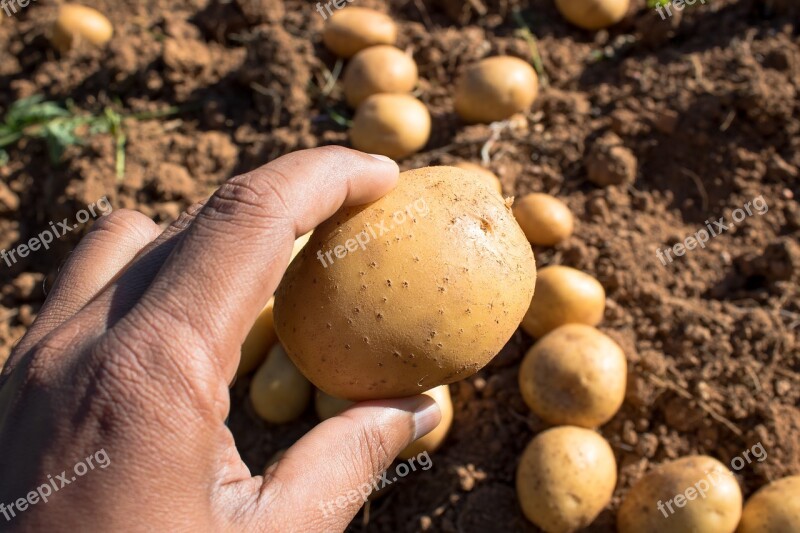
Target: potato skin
{"type": "Point", "coordinates": [545, 219]}
{"type": "Point", "coordinates": [353, 29]}
{"type": "Point", "coordinates": [488, 176]}
{"type": "Point", "coordinates": [566, 476]}
{"type": "Point", "coordinates": [495, 88]}
{"type": "Point", "coordinates": [431, 442]}
{"type": "Point", "coordinates": [394, 125]}
{"type": "Point", "coordinates": [427, 303]}
{"type": "Point", "coordinates": [564, 295]}
{"type": "Point", "coordinates": [718, 512]}
{"type": "Point", "coordinates": [378, 69]}
{"type": "Point", "coordinates": [775, 508]}
{"type": "Point", "coordinates": [75, 22]}
{"type": "Point", "coordinates": [575, 375]}
{"type": "Point", "coordinates": [593, 14]}
{"type": "Point", "coordinates": [279, 392]}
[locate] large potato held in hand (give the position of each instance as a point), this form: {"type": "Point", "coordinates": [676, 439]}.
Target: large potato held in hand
{"type": "Point", "coordinates": [565, 478]}
{"type": "Point", "coordinates": [695, 493]}
{"type": "Point", "coordinates": [487, 175]}
{"type": "Point", "coordinates": [575, 375]}
{"type": "Point", "coordinates": [495, 88]}
{"type": "Point", "coordinates": [418, 289]}
{"type": "Point", "coordinates": [351, 30]}
{"type": "Point", "coordinates": [773, 509]}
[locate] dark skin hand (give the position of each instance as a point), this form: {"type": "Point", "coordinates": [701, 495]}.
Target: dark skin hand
{"type": "Point", "coordinates": [133, 352]}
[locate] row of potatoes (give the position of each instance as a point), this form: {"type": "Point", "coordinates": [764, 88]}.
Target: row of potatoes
{"type": "Point", "coordinates": [574, 377]}
{"type": "Point", "coordinates": [379, 78]}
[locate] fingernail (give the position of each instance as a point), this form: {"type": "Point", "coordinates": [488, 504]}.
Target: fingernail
{"type": "Point", "coordinates": [427, 415]}
{"type": "Point", "coordinates": [383, 158]}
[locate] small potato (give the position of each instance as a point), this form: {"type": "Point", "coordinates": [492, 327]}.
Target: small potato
{"type": "Point", "coordinates": [431, 442]}
{"type": "Point", "coordinates": [593, 14]}
{"type": "Point", "coordinates": [76, 23]}
{"type": "Point", "coordinates": [279, 392]}
{"type": "Point", "coordinates": [495, 88]}
{"type": "Point", "coordinates": [565, 478]}
{"type": "Point", "coordinates": [486, 175]}
{"type": "Point", "coordinates": [352, 29]}
{"type": "Point", "coordinates": [545, 219]}
{"type": "Point", "coordinates": [328, 406]}
{"type": "Point", "coordinates": [564, 295]}
{"type": "Point", "coordinates": [262, 335]}
{"type": "Point", "coordinates": [575, 375]}
{"type": "Point", "coordinates": [695, 493]}
{"type": "Point", "coordinates": [394, 125]}
{"type": "Point", "coordinates": [773, 509]}
{"type": "Point", "coordinates": [378, 69]}
{"type": "Point", "coordinates": [258, 342]}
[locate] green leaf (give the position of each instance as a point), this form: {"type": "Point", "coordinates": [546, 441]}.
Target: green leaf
{"type": "Point", "coordinates": [33, 110]}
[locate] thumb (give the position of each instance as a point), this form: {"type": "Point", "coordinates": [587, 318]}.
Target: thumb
{"type": "Point", "coordinates": [324, 479]}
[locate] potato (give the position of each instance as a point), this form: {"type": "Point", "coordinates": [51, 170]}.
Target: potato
{"type": "Point", "coordinates": [258, 342]}
{"type": "Point", "coordinates": [426, 286]}
{"type": "Point", "coordinates": [695, 493]}
{"type": "Point", "coordinates": [328, 406]}
{"type": "Point", "coordinates": [575, 375]}
{"type": "Point", "coordinates": [431, 442]}
{"type": "Point", "coordinates": [495, 88]}
{"type": "Point", "coordinates": [351, 30]}
{"type": "Point", "coordinates": [564, 295]}
{"type": "Point", "coordinates": [593, 14]}
{"type": "Point", "coordinates": [487, 175]}
{"type": "Point", "coordinates": [262, 335]}
{"type": "Point", "coordinates": [773, 509]}
{"type": "Point", "coordinates": [279, 392]}
{"type": "Point", "coordinates": [565, 478]}
{"type": "Point", "coordinates": [545, 219]}
{"type": "Point", "coordinates": [76, 23]}
{"type": "Point", "coordinates": [378, 69]}
{"type": "Point", "coordinates": [394, 125]}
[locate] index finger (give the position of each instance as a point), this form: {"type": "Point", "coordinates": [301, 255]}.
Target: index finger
{"type": "Point", "coordinates": [218, 278]}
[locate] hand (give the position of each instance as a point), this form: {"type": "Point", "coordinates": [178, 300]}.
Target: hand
{"type": "Point", "coordinates": [126, 371]}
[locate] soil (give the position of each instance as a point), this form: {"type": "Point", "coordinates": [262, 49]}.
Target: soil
{"type": "Point", "coordinates": [647, 131]}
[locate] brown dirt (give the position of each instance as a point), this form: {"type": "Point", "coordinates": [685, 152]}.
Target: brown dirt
{"type": "Point", "coordinates": [706, 107]}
